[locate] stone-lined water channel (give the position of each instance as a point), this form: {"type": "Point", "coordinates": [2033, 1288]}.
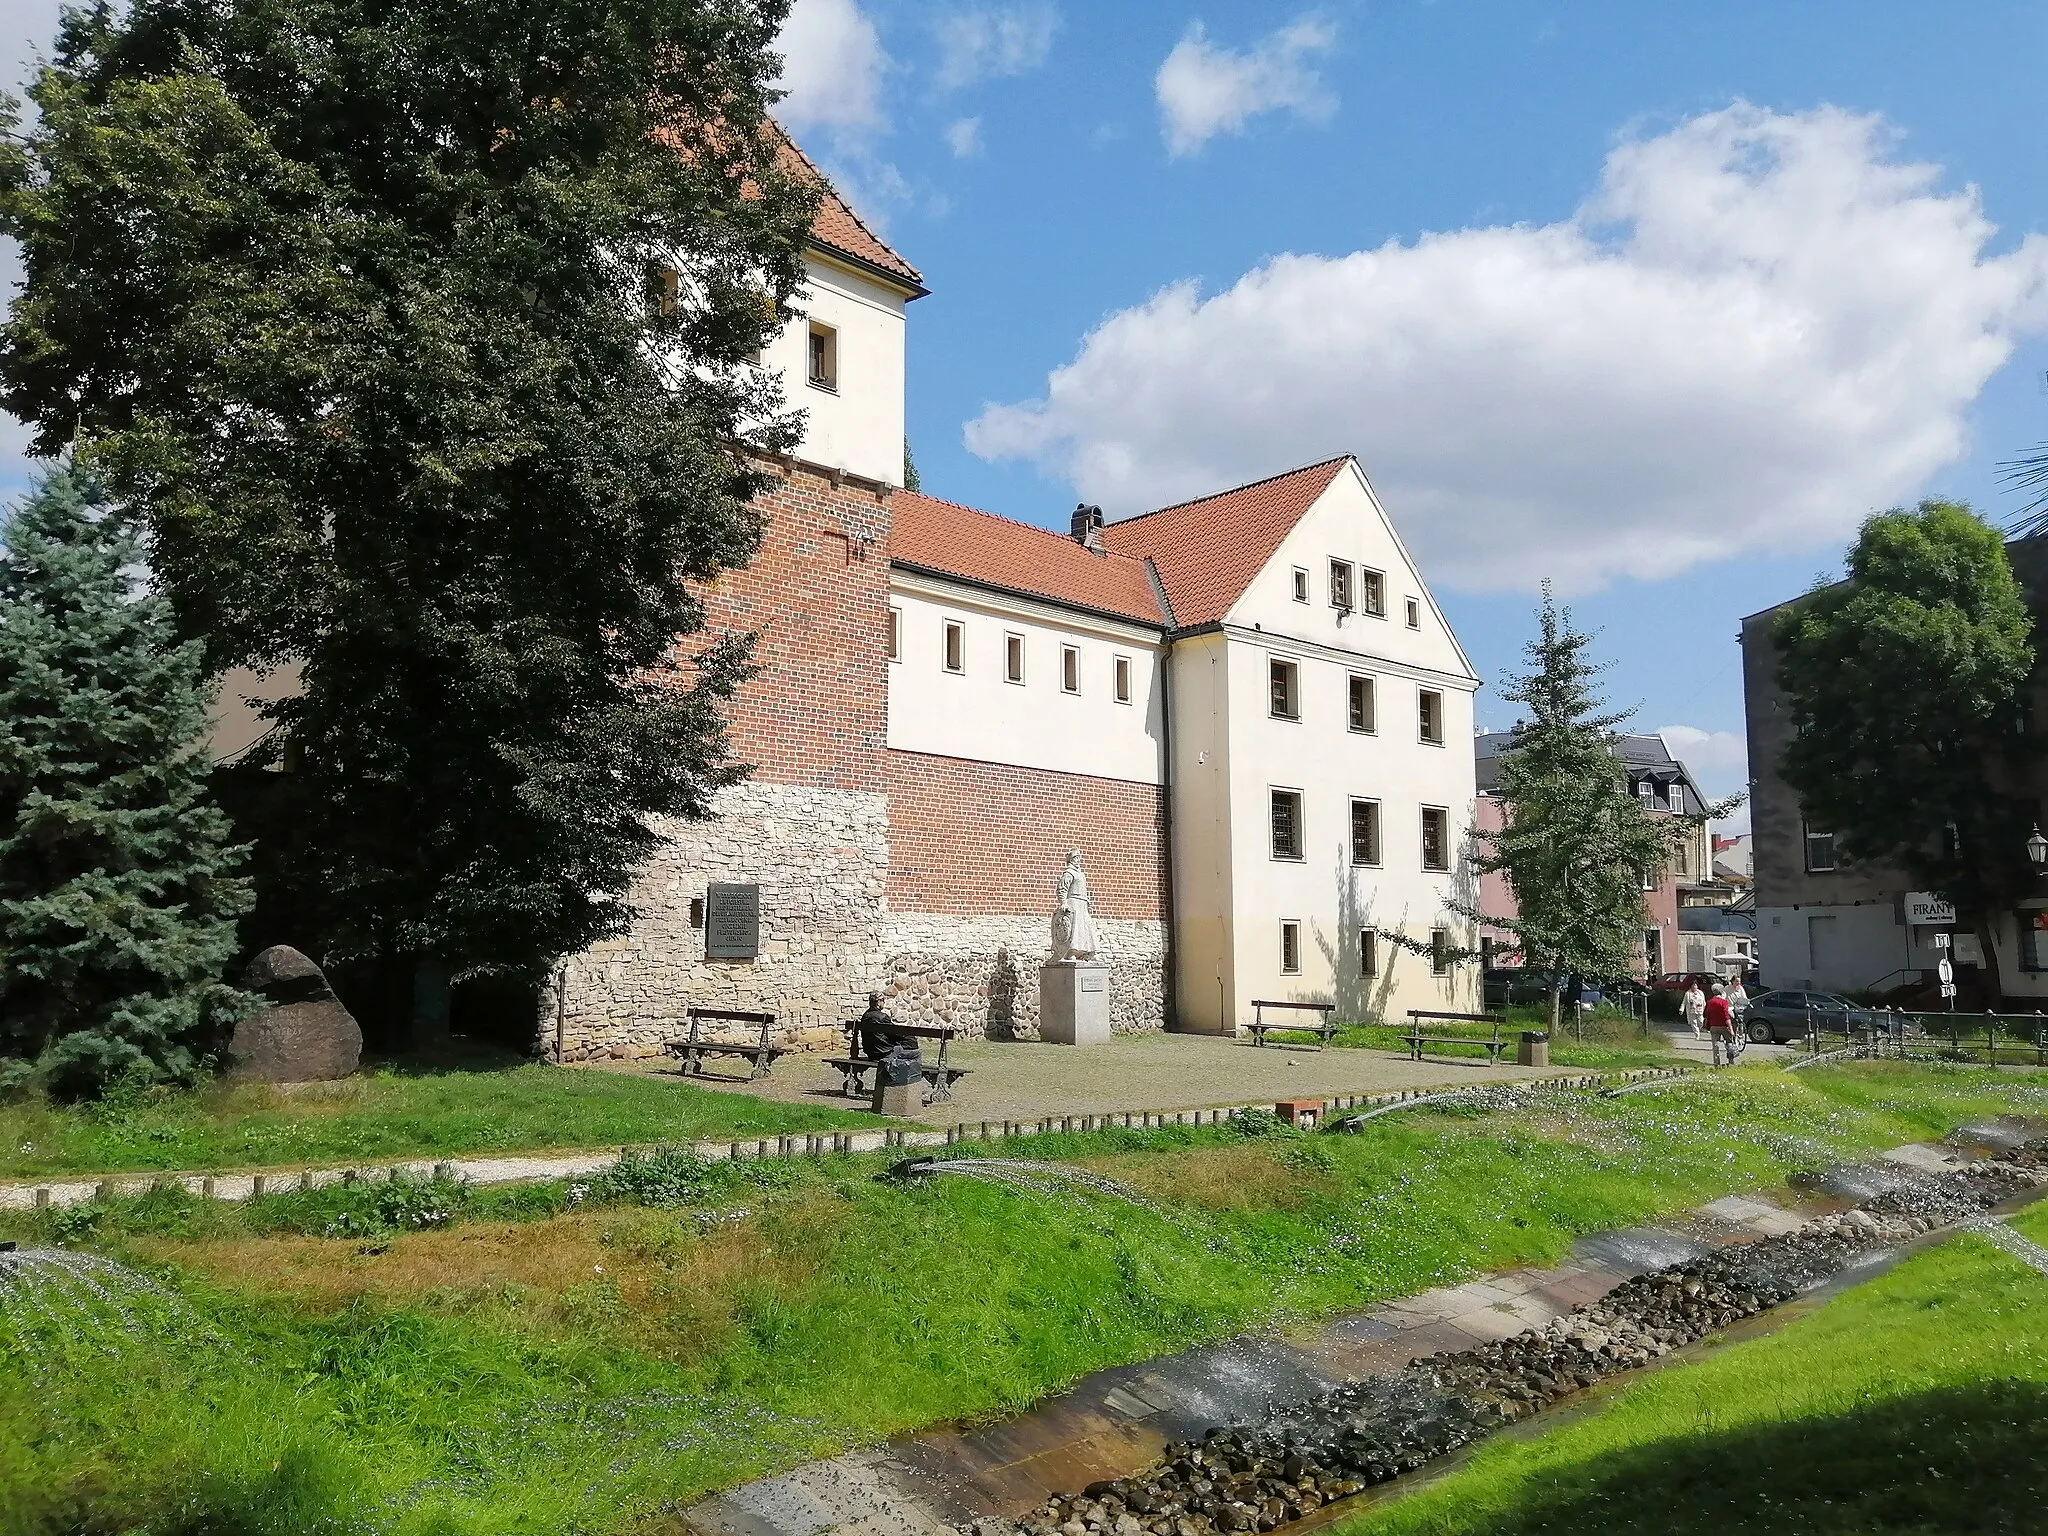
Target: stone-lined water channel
{"type": "Point", "coordinates": [1255, 1434]}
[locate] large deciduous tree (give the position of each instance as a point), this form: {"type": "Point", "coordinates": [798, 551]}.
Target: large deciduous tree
{"type": "Point", "coordinates": [119, 883]}
{"type": "Point", "coordinates": [1907, 684]}
{"type": "Point", "coordinates": [418, 335]}
{"type": "Point", "coordinates": [1575, 846]}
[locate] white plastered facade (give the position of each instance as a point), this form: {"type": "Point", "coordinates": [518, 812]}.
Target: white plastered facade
{"type": "Point", "coordinates": [857, 423]}
{"type": "Point", "coordinates": [1231, 752]}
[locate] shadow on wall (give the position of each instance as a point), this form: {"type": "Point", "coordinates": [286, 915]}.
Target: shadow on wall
{"type": "Point", "coordinates": [1366, 998]}
{"type": "Point", "coordinates": [1003, 1015]}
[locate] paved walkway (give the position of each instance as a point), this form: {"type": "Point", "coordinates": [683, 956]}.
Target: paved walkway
{"type": "Point", "coordinates": [1118, 1421]}
{"type": "Point", "coordinates": [1028, 1080]}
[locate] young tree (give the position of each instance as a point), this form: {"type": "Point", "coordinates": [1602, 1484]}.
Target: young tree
{"type": "Point", "coordinates": [1908, 690]}
{"type": "Point", "coordinates": [1575, 845]}
{"type": "Point", "coordinates": [118, 892]}
{"type": "Point", "coordinates": [420, 334]}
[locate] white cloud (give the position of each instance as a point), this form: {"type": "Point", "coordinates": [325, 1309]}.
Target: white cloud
{"type": "Point", "coordinates": [1204, 90]}
{"type": "Point", "coordinates": [964, 138]}
{"type": "Point", "coordinates": [1759, 327]}
{"type": "Point", "coordinates": [832, 68]}
{"type": "Point", "coordinates": [988, 41]}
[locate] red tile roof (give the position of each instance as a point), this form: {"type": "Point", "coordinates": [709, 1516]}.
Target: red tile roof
{"type": "Point", "coordinates": [838, 229]}
{"type": "Point", "coordinates": [1208, 551]}
{"type": "Point", "coordinates": [993, 551]}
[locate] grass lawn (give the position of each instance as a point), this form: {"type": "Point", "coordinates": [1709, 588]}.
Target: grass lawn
{"type": "Point", "coordinates": [488, 1105]}
{"type": "Point", "coordinates": [538, 1364]}
{"type": "Point", "coordinates": [1913, 1404]}
{"type": "Point", "coordinates": [1605, 1040]}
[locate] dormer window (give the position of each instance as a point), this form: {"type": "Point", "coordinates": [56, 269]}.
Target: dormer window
{"type": "Point", "coordinates": [824, 357]}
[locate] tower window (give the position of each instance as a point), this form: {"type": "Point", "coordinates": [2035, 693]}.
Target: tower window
{"type": "Point", "coordinates": [824, 357]}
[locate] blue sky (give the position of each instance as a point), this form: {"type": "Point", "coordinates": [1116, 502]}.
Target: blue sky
{"type": "Point", "coordinates": [1654, 301]}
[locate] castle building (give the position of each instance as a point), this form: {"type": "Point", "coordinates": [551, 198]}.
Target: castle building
{"type": "Point", "coordinates": [1246, 711]}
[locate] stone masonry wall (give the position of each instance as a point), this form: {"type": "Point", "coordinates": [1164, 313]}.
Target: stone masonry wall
{"type": "Point", "coordinates": [981, 973]}
{"type": "Point", "coordinates": [810, 825]}
{"type": "Point", "coordinates": [818, 856]}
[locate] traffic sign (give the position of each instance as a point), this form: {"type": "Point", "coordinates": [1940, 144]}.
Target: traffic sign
{"type": "Point", "coordinates": [1948, 989]}
{"type": "Point", "coordinates": [1941, 941]}
{"type": "Point", "coordinates": [1945, 971]}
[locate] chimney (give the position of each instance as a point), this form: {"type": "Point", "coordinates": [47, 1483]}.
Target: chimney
{"type": "Point", "coordinates": [1087, 527]}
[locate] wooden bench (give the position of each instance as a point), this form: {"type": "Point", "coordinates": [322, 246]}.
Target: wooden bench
{"type": "Point", "coordinates": [853, 1070]}
{"type": "Point", "coordinates": [1494, 1042]}
{"type": "Point", "coordinates": [693, 1048]}
{"type": "Point", "coordinates": [1261, 1026]}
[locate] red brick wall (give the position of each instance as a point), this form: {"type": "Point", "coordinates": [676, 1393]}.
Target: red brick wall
{"type": "Point", "coordinates": [973, 837]}
{"type": "Point", "coordinates": [817, 594]}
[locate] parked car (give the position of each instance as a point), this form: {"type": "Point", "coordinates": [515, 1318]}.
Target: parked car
{"type": "Point", "coordinates": [1777, 1017]}
{"type": "Point", "coordinates": [1532, 986]}
{"type": "Point", "coordinates": [1497, 986]}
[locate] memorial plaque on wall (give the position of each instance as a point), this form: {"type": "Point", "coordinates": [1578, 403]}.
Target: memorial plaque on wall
{"type": "Point", "coordinates": [732, 922]}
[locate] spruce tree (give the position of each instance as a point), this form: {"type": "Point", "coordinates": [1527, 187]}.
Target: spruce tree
{"type": "Point", "coordinates": [118, 891]}
{"type": "Point", "coordinates": [1575, 845]}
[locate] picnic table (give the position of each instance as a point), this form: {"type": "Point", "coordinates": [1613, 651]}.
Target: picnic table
{"type": "Point", "coordinates": [853, 1069]}
{"type": "Point", "coordinates": [1421, 1034]}
{"type": "Point", "coordinates": [693, 1048]}
{"type": "Point", "coordinates": [1322, 1025]}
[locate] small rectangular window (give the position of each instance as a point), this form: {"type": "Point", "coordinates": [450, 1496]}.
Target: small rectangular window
{"type": "Point", "coordinates": [1439, 951]}
{"type": "Point", "coordinates": [1414, 614]}
{"type": "Point", "coordinates": [1430, 716]}
{"type": "Point", "coordinates": [1651, 877]}
{"type": "Point", "coordinates": [824, 357]}
{"type": "Point", "coordinates": [895, 634]}
{"type": "Point", "coordinates": [1287, 839]}
{"type": "Point", "coordinates": [1436, 838]}
{"type": "Point", "coordinates": [1013, 658]}
{"type": "Point", "coordinates": [1300, 585]}
{"type": "Point", "coordinates": [1285, 677]}
{"type": "Point", "coordinates": [956, 647]}
{"type": "Point", "coordinates": [1290, 948]}
{"type": "Point", "coordinates": [1368, 952]}
{"type": "Point", "coordinates": [1365, 832]}
{"type": "Point", "coordinates": [1820, 852]}
{"type": "Point", "coordinates": [1070, 669]}
{"type": "Point", "coordinates": [664, 290]}
{"type": "Point", "coordinates": [1123, 679]}
{"type": "Point", "coordinates": [1359, 704]}
{"type": "Point", "coordinates": [1340, 585]}
{"type": "Point", "coordinates": [1372, 593]}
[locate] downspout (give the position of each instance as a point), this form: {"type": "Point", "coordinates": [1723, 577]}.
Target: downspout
{"type": "Point", "coordinates": [1169, 981]}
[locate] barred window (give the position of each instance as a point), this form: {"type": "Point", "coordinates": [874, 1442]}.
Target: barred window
{"type": "Point", "coordinates": [1287, 840]}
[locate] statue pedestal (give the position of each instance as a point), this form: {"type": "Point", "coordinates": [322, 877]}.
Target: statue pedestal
{"type": "Point", "coordinates": [1073, 1002]}
{"type": "Point", "coordinates": [897, 1098]}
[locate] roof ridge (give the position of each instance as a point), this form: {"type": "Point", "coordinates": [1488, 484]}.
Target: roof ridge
{"type": "Point", "coordinates": [1249, 485]}
{"type": "Point", "coordinates": [1017, 522]}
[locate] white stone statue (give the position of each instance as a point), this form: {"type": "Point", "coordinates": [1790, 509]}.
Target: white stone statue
{"type": "Point", "coordinates": [1073, 922]}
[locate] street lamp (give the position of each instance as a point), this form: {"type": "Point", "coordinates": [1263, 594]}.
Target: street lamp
{"type": "Point", "coordinates": [2037, 851]}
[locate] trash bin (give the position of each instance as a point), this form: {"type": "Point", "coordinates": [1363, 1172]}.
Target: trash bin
{"type": "Point", "coordinates": [1534, 1051]}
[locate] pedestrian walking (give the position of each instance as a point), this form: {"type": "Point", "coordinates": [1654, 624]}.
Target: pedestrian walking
{"type": "Point", "coordinates": [1693, 1006]}
{"type": "Point", "coordinates": [1720, 1021]}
